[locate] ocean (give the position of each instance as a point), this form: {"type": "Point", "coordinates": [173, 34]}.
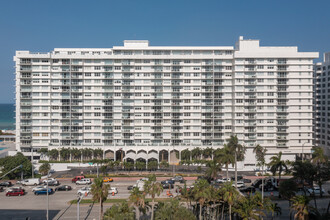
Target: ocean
{"type": "Point", "coordinates": [7, 116]}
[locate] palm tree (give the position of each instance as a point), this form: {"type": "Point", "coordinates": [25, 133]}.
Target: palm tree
{"type": "Point", "coordinates": [319, 159]}
{"type": "Point", "coordinates": [119, 212]}
{"type": "Point", "coordinates": [300, 204]}
{"type": "Point", "coordinates": [44, 168]}
{"type": "Point", "coordinates": [229, 195]}
{"type": "Point", "coordinates": [137, 198]}
{"type": "Point", "coordinates": [196, 153]}
{"type": "Point", "coordinates": [185, 154]}
{"type": "Point", "coordinates": [249, 207]}
{"type": "Point", "coordinates": [277, 164]}
{"type": "Point", "coordinates": [153, 188]}
{"type": "Point", "coordinates": [260, 156]}
{"type": "Point", "coordinates": [100, 192]}
{"type": "Point", "coordinates": [275, 209]}
{"type": "Point", "coordinates": [226, 157]}
{"type": "Point", "coordinates": [173, 210]}
{"type": "Point", "coordinates": [238, 150]}
{"type": "Point", "coordinates": [185, 194]}
{"type": "Point", "coordinates": [213, 168]}
{"type": "Point", "coordinates": [201, 193]}
{"type": "Point", "coordinates": [207, 152]}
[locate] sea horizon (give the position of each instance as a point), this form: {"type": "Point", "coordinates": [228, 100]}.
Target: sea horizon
{"type": "Point", "coordinates": [7, 116]}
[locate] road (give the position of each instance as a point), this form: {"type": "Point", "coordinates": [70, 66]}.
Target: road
{"type": "Point", "coordinates": [35, 207]}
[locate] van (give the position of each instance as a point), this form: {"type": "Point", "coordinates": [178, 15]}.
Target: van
{"type": "Point", "coordinates": [31, 182]}
{"type": "Point", "coordinates": [78, 178]}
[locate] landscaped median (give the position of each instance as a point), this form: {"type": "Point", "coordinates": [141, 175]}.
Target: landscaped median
{"type": "Point", "coordinates": [88, 201]}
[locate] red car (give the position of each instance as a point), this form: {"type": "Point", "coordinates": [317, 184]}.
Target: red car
{"type": "Point", "coordinates": [15, 192]}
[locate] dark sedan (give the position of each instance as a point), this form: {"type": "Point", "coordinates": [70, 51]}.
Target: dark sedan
{"type": "Point", "coordinates": [249, 189]}
{"type": "Point", "coordinates": [169, 181]}
{"type": "Point", "coordinates": [130, 187]}
{"type": "Point", "coordinates": [53, 183]}
{"type": "Point", "coordinates": [167, 186]}
{"type": "Point", "coordinates": [6, 184]}
{"type": "Point", "coordinates": [63, 188]}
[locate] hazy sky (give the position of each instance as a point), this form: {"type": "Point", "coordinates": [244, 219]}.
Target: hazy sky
{"type": "Point", "coordinates": [46, 24]}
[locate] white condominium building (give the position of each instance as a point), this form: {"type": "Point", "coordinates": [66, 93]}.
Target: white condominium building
{"type": "Point", "coordinates": [147, 100]}
{"type": "Point", "coordinates": [322, 103]}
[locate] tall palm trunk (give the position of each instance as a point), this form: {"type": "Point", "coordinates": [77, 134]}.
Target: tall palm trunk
{"type": "Point", "coordinates": [152, 208]}
{"type": "Point", "coordinates": [229, 212]}
{"type": "Point", "coordinates": [200, 211]}
{"type": "Point", "coordinates": [227, 172]}
{"type": "Point", "coordinates": [137, 212]}
{"type": "Point", "coordinates": [236, 170]}
{"type": "Point", "coordinates": [101, 209]}
{"type": "Point", "coordinates": [262, 184]}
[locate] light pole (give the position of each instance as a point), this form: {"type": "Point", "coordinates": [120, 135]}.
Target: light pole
{"type": "Point", "coordinates": [302, 151]}
{"type": "Point", "coordinates": [32, 162]}
{"type": "Point", "coordinates": [47, 214]}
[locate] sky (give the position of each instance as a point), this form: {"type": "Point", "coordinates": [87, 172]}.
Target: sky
{"type": "Point", "coordinates": [42, 25]}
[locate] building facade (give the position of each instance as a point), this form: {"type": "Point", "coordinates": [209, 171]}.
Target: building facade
{"type": "Point", "coordinates": [146, 100]}
{"type": "Point", "coordinates": [322, 103]}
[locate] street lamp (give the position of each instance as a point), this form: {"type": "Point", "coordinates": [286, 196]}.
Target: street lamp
{"type": "Point", "coordinates": [47, 214]}
{"type": "Point", "coordinates": [32, 162]}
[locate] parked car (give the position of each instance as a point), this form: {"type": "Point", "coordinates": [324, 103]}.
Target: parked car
{"type": "Point", "coordinates": [240, 184]}
{"type": "Point", "coordinates": [76, 178]}
{"type": "Point", "coordinates": [49, 180]}
{"type": "Point", "coordinates": [256, 183]}
{"type": "Point", "coordinates": [38, 188]}
{"type": "Point", "coordinates": [63, 188]}
{"type": "Point", "coordinates": [130, 187]}
{"type": "Point", "coordinates": [14, 188]}
{"type": "Point", "coordinates": [315, 190]}
{"type": "Point", "coordinates": [247, 189]}
{"type": "Point", "coordinates": [31, 182]}
{"type": "Point", "coordinates": [6, 184]}
{"type": "Point", "coordinates": [16, 192]}
{"type": "Point", "coordinates": [144, 179]}
{"type": "Point", "coordinates": [84, 191]}
{"type": "Point", "coordinates": [53, 183]}
{"type": "Point", "coordinates": [268, 186]}
{"type": "Point", "coordinates": [179, 179]}
{"type": "Point", "coordinates": [179, 189]}
{"type": "Point", "coordinates": [167, 186]}
{"type": "Point", "coordinates": [44, 192]}
{"type": "Point", "coordinates": [84, 181]}
{"type": "Point", "coordinates": [113, 190]}
{"type": "Point", "coordinates": [247, 180]}
{"type": "Point", "coordinates": [107, 179]}
{"type": "Point", "coordinates": [167, 181]}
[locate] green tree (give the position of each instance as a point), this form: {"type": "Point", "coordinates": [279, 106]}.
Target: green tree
{"type": "Point", "coordinates": [250, 207]}
{"type": "Point", "coordinates": [185, 154]}
{"type": "Point", "coordinates": [304, 172]}
{"type": "Point", "coordinates": [229, 195]}
{"type": "Point", "coordinates": [44, 168]}
{"type": "Point", "coordinates": [300, 205]}
{"type": "Point", "coordinates": [119, 212]}
{"type": "Point", "coordinates": [278, 165]}
{"type": "Point", "coordinates": [322, 166]}
{"type": "Point", "coordinates": [104, 170]}
{"type": "Point", "coordinates": [152, 165]}
{"type": "Point", "coordinates": [226, 157]}
{"type": "Point", "coordinates": [275, 209]}
{"type": "Point", "coordinates": [152, 188]}
{"type": "Point", "coordinates": [137, 198]}
{"type": "Point", "coordinates": [100, 192]}
{"type": "Point", "coordinates": [53, 154]}
{"type": "Point", "coordinates": [65, 153]}
{"type": "Point", "coordinates": [98, 153]}
{"type": "Point", "coordinates": [164, 165]}
{"type": "Point", "coordinates": [260, 156]}
{"type": "Point", "coordinates": [196, 153]}
{"type": "Point", "coordinates": [238, 150]}
{"type": "Point", "coordinates": [173, 210]}
{"type": "Point", "coordinates": [140, 165]}
{"type": "Point", "coordinates": [288, 189]}
{"type": "Point", "coordinates": [207, 152]}
{"type": "Point", "coordinates": [10, 162]}
{"type": "Point", "coordinates": [213, 168]}
{"type": "Point", "coordinates": [201, 193]}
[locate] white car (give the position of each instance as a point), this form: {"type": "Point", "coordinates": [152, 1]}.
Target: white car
{"type": "Point", "coordinates": [240, 184]}
{"type": "Point", "coordinates": [113, 190]}
{"type": "Point", "coordinates": [315, 190]}
{"type": "Point", "coordinates": [223, 180]}
{"type": "Point", "coordinates": [84, 190]}
{"type": "Point", "coordinates": [38, 188]}
{"type": "Point", "coordinates": [49, 180]}
{"type": "Point", "coordinates": [83, 182]}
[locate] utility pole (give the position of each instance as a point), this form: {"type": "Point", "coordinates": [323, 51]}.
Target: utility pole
{"type": "Point", "coordinates": [32, 162]}
{"type": "Point", "coordinates": [47, 214]}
